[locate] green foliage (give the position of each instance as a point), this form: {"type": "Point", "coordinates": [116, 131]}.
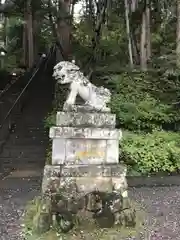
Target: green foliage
{"type": "Point", "coordinates": [112, 46]}
{"type": "Point", "coordinates": [141, 103]}
{"type": "Point", "coordinates": [50, 120]}
{"type": "Point", "coordinates": [153, 152]}
{"type": "Point", "coordinates": [14, 31]}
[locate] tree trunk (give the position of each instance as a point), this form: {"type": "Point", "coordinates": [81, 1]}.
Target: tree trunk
{"type": "Point", "coordinates": [29, 25]}
{"type": "Point", "coordinates": [72, 12]}
{"type": "Point", "coordinates": [178, 36]}
{"type": "Point", "coordinates": [128, 34]}
{"type": "Point", "coordinates": [64, 29]}
{"type": "Point", "coordinates": [135, 48]}
{"type": "Point", "coordinates": [133, 5]}
{"type": "Point", "coordinates": [143, 46]}
{"type": "Point", "coordinates": [101, 19]}
{"type": "Point", "coordinates": [35, 35]}
{"type": "Point", "coordinates": [25, 39]}
{"type": "Point", "coordinates": [6, 23]}
{"type": "Point", "coordinates": [148, 30]}
{"type": "Point", "coordinates": [24, 47]}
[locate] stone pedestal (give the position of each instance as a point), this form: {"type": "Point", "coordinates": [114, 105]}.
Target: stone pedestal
{"type": "Point", "coordinates": [85, 162]}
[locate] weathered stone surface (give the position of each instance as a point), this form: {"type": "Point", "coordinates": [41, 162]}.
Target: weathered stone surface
{"type": "Point", "coordinates": [86, 178]}
{"type": "Point", "coordinates": [85, 151]}
{"type": "Point", "coordinates": [107, 170]}
{"type": "Point", "coordinates": [89, 133]}
{"type": "Point", "coordinates": [91, 187]}
{"type": "Point", "coordinates": [51, 177]}
{"type": "Point", "coordinates": [58, 151]}
{"type": "Point", "coordinates": [90, 184]}
{"type": "Point", "coordinates": [120, 183]}
{"type": "Point", "coordinates": [79, 119]}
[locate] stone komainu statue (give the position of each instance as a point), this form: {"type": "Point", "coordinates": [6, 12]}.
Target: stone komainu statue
{"type": "Point", "coordinates": [96, 98]}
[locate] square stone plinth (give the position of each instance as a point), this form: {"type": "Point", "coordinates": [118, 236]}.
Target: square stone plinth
{"type": "Point", "coordinates": [79, 119]}
{"type": "Point", "coordinates": [84, 151]}
{"type": "Point", "coordinates": [84, 145]}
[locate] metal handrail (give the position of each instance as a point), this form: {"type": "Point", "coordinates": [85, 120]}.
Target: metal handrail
{"type": "Point", "coordinates": [22, 92]}
{"type": "Point", "coordinates": [9, 85]}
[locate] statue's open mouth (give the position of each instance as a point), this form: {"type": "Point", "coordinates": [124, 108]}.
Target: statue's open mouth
{"type": "Point", "coordinates": [60, 79]}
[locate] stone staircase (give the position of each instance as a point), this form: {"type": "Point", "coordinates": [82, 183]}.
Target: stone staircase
{"type": "Point", "coordinates": [25, 151]}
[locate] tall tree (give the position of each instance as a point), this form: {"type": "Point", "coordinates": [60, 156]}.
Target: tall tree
{"type": "Point", "coordinates": [148, 28]}
{"type": "Point", "coordinates": [145, 45]}
{"type": "Point", "coordinates": [60, 20]}
{"type": "Point", "coordinates": [178, 36]}
{"type": "Point", "coordinates": [127, 8]}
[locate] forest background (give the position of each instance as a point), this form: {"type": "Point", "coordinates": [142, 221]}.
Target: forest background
{"type": "Point", "coordinates": [131, 46]}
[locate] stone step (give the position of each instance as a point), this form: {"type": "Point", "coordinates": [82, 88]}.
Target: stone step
{"type": "Point", "coordinates": [15, 162]}
{"type": "Point", "coordinates": [31, 136]}
{"type": "Point", "coordinates": [26, 142]}
{"type": "Point", "coordinates": [31, 132]}
{"type": "Point", "coordinates": [26, 171]}
{"type": "Point", "coordinates": [23, 150]}
{"type": "Point", "coordinates": [29, 148]}
{"type": "Point", "coordinates": [29, 157]}
{"type": "Point", "coordinates": [27, 145]}
{"type": "Point", "coordinates": [30, 126]}
{"type": "Point", "coordinates": [22, 153]}
{"type": "Point", "coordinates": [27, 132]}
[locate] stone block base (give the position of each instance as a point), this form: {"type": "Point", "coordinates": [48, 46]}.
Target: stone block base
{"type": "Point", "coordinates": [99, 189]}
{"type": "Point", "coordinates": [85, 178]}
{"type": "Point", "coordinates": [85, 173]}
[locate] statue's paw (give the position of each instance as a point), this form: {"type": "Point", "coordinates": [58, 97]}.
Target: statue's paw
{"type": "Point", "coordinates": [106, 109]}
{"type": "Point", "coordinates": [118, 219]}
{"type": "Point", "coordinates": [69, 107]}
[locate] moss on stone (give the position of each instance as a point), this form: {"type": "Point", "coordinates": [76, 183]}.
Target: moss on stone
{"type": "Point", "coordinates": [37, 218]}
{"type": "Point", "coordinates": [49, 154]}
{"type": "Point", "coordinates": [50, 120]}
{"type": "Point", "coordinates": [85, 227]}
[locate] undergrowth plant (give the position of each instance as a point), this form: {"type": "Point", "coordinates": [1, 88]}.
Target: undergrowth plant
{"type": "Point", "coordinates": [141, 103]}
{"type": "Point", "coordinates": [154, 152]}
